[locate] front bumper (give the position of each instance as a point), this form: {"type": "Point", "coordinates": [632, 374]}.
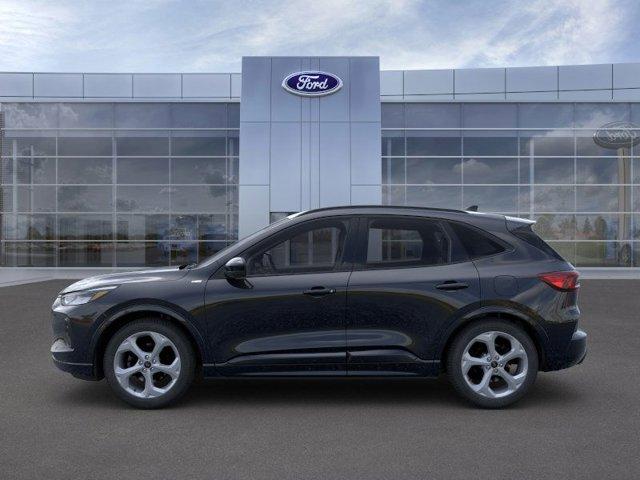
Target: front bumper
{"type": "Point", "coordinates": [62, 355]}
{"type": "Point", "coordinates": [574, 354]}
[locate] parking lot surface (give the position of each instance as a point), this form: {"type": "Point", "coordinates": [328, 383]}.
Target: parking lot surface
{"type": "Point", "coordinates": [578, 423]}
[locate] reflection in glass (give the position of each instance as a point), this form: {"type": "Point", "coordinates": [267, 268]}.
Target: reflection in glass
{"type": "Point", "coordinates": [393, 195]}
{"type": "Point", "coordinates": [85, 170]}
{"type": "Point", "coordinates": [142, 146]}
{"type": "Point", "coordinates": [490, 170]}
{"type": "Point", "coordinates": [603, 254]}
{"type": "Point", "coordinates": [35, 227]}
{"type": "Point", "coordinates": [142, 227]}
{"type": "Point", "coordinates": [392, 143]}
{"type": "Point", "coordinates": [36, 198]}
{"type": "Point", "coordinates": [553, 170]}
{"type": "Point", "coordinates": [434, 170]}
{"type": "Point", "coordinates": [432, 115]}
{"type": "Point", "coordinates": [36, 170]}
{"type": "Point", "coordinates": [432, 196]}
{"type": "Point", "coordinates": [93, 146]}
{"type": "Point", "coordinates": [492, 199]}
{"type": "Point", "coordinates": [490, 145]}
{"type": "Point", "coordinates": [85, 199]}
{"type": "Point", "coordinates": [199, 170]}
{"type": "Point", "coordinates": [603, 170]}
{"type": "Point", "coordinates": [199, 115]}
{"type": "Point", "coordinates": [392, 115]}
{"type": "Point", "coordinates": [80, 254]}
{"type": "Point", "coordinates": [426, 144]}
{"type": "Point", "coordinates": [32, 146]}
{"type": "Point", "coordinates": [554, 199]}
{"type": "Point", "coordinates": [140, 254]}
{"type": "Point", "coordinates": [546, 144]}
{"type": "Point", "coordinates": [602, 226]}
{"type": "Point", "coordinates": [393, 170]}
{"type": "Point", "coordinates": [199, 199]}
{"type": "Point", "coordinates": [143, 198]}
{"type": "Point", "coordinates": [603, 199]}
{"type": "Point", "coordinates": [213, 144]}
{"type": "Point", "coordinates": [206, 249]}
{"type": "Point", "coordinates": [555, 227]}
{"type": "Point", "coordinates": [85, 227]}
{"type": "Point", "coordinates": [37, 254]}
{"type": "Point", "coordinates": [142, 170]}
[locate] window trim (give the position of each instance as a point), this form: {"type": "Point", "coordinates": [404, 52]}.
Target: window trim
{"type": "Point", "coordinates": [508, 248]}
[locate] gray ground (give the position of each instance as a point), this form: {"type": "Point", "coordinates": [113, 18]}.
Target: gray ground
{"type": "Point", "coordinates": [579, 423]}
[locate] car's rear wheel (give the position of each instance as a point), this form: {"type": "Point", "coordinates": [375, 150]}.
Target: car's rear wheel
{"type": "Point", "coordinates": [149, 363]}
{"type": "Point", "coordinates": [492, 363]}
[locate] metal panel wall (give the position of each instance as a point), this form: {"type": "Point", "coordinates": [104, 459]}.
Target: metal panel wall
{"type": "Point", "coordinates": [307, 152]}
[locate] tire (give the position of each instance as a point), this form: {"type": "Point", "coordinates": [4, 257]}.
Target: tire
{"type": "Point", "coordinates": [498, 382]}
{"type": "Point", "coordinates": [149, 349]}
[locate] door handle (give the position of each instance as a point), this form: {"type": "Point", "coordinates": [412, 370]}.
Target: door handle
{"type": "Point", "coordinates": [319, 291]}
{"type": "Point", "coordinates": [452, 285]}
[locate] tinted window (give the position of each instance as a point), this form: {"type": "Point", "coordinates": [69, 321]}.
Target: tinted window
{"type": "Point", "coordinates": [406, 242]}
{"type": "Point", "coordinates": [316, 248]}
{"type": "Point", "coordinates": [476, 243]}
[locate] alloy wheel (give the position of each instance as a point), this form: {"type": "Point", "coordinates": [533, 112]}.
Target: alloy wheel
{"type": "Point", "coordinates": [494, 364]}
{"type": "Point", "coordinates": [147, 364]}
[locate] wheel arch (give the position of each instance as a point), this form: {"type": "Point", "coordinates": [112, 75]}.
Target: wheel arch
{"type": "Point", "coordinates": [535, 332]}
{"type": "Point", "coordinates": [117, 319]}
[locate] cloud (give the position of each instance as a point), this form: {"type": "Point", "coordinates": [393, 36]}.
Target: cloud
{"type": "Point", "coordinates": [169, 36]}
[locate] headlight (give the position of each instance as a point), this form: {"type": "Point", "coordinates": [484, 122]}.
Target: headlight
{"type": "Point", "coordinates": [84, 296]}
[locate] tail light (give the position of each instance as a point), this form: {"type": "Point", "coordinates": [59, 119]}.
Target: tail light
{"type": "Point", "coordinates": [563, 281]}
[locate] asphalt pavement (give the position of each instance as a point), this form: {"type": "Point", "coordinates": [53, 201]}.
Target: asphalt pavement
{"type": "Point", "coordinates": [583, 422]}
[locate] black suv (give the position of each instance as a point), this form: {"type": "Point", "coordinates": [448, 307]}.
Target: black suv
{"type": "Point", "coordinates": [355, 291]}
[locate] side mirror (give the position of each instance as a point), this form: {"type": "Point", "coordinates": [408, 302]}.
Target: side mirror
{"type": "Point", "coordinates": [235, 269]}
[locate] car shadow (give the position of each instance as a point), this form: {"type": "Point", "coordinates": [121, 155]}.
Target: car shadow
{"type": "Point", "coordinates": [324, 392]}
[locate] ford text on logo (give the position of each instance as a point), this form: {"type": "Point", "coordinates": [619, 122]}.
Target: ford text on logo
{"type": "Point", "coordinates": [617, 135]}
{"type": "Point", "coordinates": [312, 84]}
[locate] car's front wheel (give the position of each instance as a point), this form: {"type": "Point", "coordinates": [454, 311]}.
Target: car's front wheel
{"type": "Point", "coordinates": [492, 363]}
{"type": "Point", "coordinates": [149, 363]}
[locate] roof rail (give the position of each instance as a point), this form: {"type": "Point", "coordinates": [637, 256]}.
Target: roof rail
{"type": "Point", "coordinates": [397, 207]}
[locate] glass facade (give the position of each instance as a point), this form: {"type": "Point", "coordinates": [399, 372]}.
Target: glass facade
{"type": "Point", "coordinates": [117, 184]}
{"type": "Point", "coordinates": [536, 160]}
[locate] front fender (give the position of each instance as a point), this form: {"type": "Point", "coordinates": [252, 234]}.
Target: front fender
{"type": "Point", "coordinates": [152, 306]}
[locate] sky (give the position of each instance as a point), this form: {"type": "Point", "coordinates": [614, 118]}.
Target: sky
{"type": "Point", "coordinates": [212, 36]}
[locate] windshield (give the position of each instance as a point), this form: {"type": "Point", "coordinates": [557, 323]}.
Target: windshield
{"type": "Point", "coordinates": [247, 241]}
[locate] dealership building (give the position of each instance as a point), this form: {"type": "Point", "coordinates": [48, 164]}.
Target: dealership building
{"type": "Point", "coordinates": [144, 169]}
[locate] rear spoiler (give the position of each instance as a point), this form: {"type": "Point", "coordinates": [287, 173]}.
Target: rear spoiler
{"type": "Point", "coordinates": [514, 223]}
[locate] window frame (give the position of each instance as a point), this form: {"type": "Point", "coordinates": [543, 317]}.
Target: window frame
{"type": "Point", "coordinates": [343, 263]}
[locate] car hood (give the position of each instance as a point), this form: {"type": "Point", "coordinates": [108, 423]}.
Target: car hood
{"type": "Point", "coordinates": [139, 276]}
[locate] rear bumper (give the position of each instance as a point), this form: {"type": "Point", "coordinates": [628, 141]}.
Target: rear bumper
{"type": "Point", "coordinates": [574, 354]}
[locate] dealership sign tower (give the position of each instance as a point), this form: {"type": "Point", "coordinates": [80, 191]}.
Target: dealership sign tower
{"type": "Point", "coordinates": [310, 130]}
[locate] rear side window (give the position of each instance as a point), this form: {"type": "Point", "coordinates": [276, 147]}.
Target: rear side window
{"type": "Point", "coordinates": [528, 235]}
{"type": "Point", "coordinates": [475, 242]}
{"type": "Point", "coordinates": [398, 242]}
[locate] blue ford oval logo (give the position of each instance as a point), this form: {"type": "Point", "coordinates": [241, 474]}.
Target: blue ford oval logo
{"type": "Point", "coordinates": [312, 84]}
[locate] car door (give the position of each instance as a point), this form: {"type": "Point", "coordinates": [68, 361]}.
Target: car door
{"type": "Point", "coordinates": [409, 282]}
{"type": "Point", "coordinates": [288, 316]}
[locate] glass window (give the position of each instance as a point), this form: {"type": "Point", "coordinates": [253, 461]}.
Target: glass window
{"type": "Point", "coordinates": [140, 254]}
{"type": "Point", "coordinates": [142, 227]}
{"type": "Point", "coordinates": [598, 114]}
{"type": "Point", "coordinates": [491, 144]}
{"type": "Point", "coordinates": [212, 227]}
{"type": "Point", "coordinates": [181, 252]}
{"type": "Point", "coordinates": [399, 242]}
{"type": "Point", "coordinates": [213, 144]}
{"type": "Point", "coordinates": [603, 199]}
{"type": "Point", "coordinates": [233, 143]}
{"type": "Point", "coordinates": [233, 112]}
{"type": "Point", "coordinates": [146, 146]}
{"type": "Point", "coordinates": [491, 199]}
{"type": "Point", "coordinates": [314, 248]}
{"type": "Point", "coordinates": [84, 254]}
{"type": "Point", "coordinates": [603, 170]}
{"type": "Point", "coordinates": [199, 170]}
{"type": "Point", "coordinates": [433, 143]}
{"type": "Point", "coordinates": [392, 143]}
{"type": "Point", "coordinates": [554, 199]}
{"type": "Point", "coordinates": [90, 146]}
{"type": "Point", "coordinates": [37, 199]}
{"type": "Point", "coordinates": [490, 170]}
{"type": "Point", "coordinates": [36, 170]}
{"type": "Point", "coordinates": [35, 227]}
{"type": "Point", "coordinates": [432, 115]}
{"type": "Point", "coordinates": [199, 115]}
{"type": "Point", "coordinates": [488, 115]}
{"type": "Point", "coordinates": [85, 199]}
{"type": "Point", "coordinates": [207, 249]}
{"type": "Point", "coordinates": [152, 199]}
{"type": "Point", "coordinates": [393, 170]}
{"type": "Point", "coordinates": [602, 226]}
{"type": "Point", "coordinates": [586, 145]}
{"type": "Point", "coordinates": [211, 199]}
{"type": "Point", "coordinates": [6, 170]}
{"type": "Point", "coordinates": [435, 197]}
{"type": "Point", "coordinates": [555, 227]}
{"type": "Point", "coordinates": [545, 115]}
{"type": "Point", "coordinates": [30, 115]}
{"type": "Point", "coordinates": [32, 146]}
{"type": "Point", "coordinates": [393, 195]}
{"type": "Point", "coordinates": [392, 115]}
{"type": "Point", "coordinates": [86, 115]}
{"type": "Point", "coordinates": [603, 254]}
{"type": "Point", "coordinates": [6, 199]}
{"type": "Point", "coordinates": [553, 170]}
{"type": "Point", "coordinates": [542, 144]}
{"type": "Point", "coordinates": [85, 170]}
{"type": "Point", "coordinates": [476, 243]}
{"type": "Point", "coordinates": [428, 171]}
{"type": "Point", "coordinates": [37, 254]}
{"type": "Point", "coordinates": [142, 115]}
{"type": "Point", "coordinates": [142, 170]}
{"type": "Point", "coordinates": [85, 227]}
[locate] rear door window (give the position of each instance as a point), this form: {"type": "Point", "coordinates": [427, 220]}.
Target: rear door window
{"type": "Point", "coordinates": [476, 243]}
{"type": "Point", "coordinates": [406, 242]}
